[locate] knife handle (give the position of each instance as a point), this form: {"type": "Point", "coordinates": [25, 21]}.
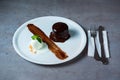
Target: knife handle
{"type": "Point", "coordinates": [103, 59]}
{"type": "Point", "coordinates": [103, 56]}
{"type": "Point", "coordinates": [96, 55]}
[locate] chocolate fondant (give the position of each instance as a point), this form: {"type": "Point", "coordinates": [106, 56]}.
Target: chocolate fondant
{"type": "Point", "coordinates": [60, 32]}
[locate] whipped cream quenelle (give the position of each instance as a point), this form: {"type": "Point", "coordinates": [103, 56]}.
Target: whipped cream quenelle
{"type": "Point", "coordinates": [35, 45]}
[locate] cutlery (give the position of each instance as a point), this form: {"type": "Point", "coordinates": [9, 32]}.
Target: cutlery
{"type": "Point", "coordinates": [103, 57]}
{"type": "Point", "coordinates": [96, 55]}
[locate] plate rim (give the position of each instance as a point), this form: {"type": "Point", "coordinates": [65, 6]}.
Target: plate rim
{"type": "Point", "coordinates": [22, 26]}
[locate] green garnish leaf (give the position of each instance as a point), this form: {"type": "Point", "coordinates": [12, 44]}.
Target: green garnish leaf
{"type": "Point", "coordinates": [39, 39]}
{"type": "Point", "coordinates": [36, 37]}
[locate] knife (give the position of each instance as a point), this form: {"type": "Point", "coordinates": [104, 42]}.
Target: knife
{"type": "Point", "coordinates": [103, 56]}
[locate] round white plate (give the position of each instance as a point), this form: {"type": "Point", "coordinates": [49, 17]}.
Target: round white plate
{"type": "Point", "coordinates": [73, 46]}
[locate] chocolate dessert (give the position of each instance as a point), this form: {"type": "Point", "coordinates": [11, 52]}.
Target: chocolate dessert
{"type": "Point", "coordinates": [59, 32]}
{"type": "Point", "coordinates": [51, 45]}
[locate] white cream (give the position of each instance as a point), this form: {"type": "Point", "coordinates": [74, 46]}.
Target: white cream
{"type": "Point", "coordinates": [35, 45]}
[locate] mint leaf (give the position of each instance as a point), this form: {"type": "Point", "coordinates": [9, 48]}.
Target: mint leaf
{"type": "Point", "coordinates": [39, 39]}
{"type": "Point", "coordinates": [36, 37]}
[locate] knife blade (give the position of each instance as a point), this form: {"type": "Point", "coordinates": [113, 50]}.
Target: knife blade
{"type": "Point", "coordinates": [104, 59]}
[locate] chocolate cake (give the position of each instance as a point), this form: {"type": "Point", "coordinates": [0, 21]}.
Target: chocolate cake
{"type": "Point", "coordinates": [60, 32]}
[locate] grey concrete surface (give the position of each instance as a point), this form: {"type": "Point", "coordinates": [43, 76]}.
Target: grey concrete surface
{"type": "Point", "coordinates": [13, 13]}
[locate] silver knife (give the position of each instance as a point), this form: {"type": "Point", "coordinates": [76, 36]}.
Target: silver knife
{"type": "Point", "coordinates": [104, 59]}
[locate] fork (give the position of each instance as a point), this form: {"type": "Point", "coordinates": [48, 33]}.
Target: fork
{"type": "Point", "coordinates": [96, 55]}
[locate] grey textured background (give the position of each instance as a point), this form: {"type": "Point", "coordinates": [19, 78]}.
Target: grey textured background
{"type": "Point", "coordinates": [13, 13]}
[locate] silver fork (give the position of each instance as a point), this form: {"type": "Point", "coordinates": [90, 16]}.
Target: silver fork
{"type": "Point", "coordinates": [96, 55]}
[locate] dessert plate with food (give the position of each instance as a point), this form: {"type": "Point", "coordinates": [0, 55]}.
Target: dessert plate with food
{"type": "Point", "coordinates": [49, 40]}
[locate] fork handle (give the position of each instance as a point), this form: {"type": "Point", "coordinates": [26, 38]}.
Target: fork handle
{"type": "Point", "coordinates": [96, 55]}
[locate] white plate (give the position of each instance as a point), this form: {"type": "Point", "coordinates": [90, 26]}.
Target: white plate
{"type": "Point", "coordinates": [73, 46]}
